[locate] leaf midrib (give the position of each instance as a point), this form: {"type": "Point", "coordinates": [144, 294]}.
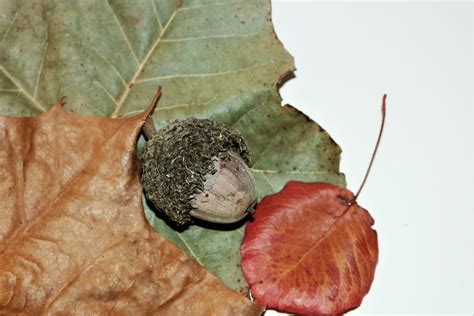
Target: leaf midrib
{"type": "Point", "coordinates": [42, 212]}
{"type": "Point", "coordinates": [119, 104]}
{"type": "Point", "coordinates": [281, 277]}
{"type": "Point", "coordinates": [132, 82]}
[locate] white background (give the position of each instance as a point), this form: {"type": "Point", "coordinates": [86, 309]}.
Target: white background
{"type": "Point", "coordinates": [421, 190]}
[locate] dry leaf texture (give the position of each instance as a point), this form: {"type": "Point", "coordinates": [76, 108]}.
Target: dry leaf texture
{"type": "Point", "coordinates": [216, 59]}
{"type": "Point", "coordinates": [308, 252]}
{"type": "Point", "coordinates": [73, 237]}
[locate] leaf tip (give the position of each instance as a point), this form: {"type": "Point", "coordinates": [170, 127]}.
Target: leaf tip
{"type": "Point", "coordinates": [60, 102]}
{"type": "Point", "coordinates": [153, 103]}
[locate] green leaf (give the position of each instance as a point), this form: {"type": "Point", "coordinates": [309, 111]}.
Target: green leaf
{"type": "Point", "coordinates": [109, 57]}
{"type": "Point", "coordinates": [284, 144]}
{"type": "Point", "coordinates": [215, 59]}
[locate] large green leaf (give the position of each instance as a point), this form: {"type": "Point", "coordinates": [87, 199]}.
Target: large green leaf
{"type": "Point", "coordinates": [217, 59]}
{"type": "Point", "coordinates": [284, 144]}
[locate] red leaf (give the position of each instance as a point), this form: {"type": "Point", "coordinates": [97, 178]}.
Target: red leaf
{"type": "Point", "coordinates": [308, 251]}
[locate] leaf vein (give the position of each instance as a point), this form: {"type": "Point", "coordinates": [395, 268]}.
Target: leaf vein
{"type": "Point", "coordinates": [122, 31]}
{"type": "Point", "coordinates": [109, 63]}
{"type": "Point", "coordinates": [191, 251]}
{"type": "Point", "coordinates": [142, 65]}
{"type": "Point", "coordinates": [268, 181]}
{"type": "Point", "coordinates": [206, 74]}
{"type": "Point", "coordinates": [291, 172]}
{"type": "Point", "coordinates": [106, 91]}
{"type": "Point", "coordinates": [198, 38]}
{"type": "Point", "coordinates": [214, 4]}
{"type": "Point", "coordinates": [316, 243]}
{"type": "Point", "coordinates": [9, 26]}
{"type": "Point", "coordinates": [157, 15]}
{"type": "Point", "coordinates": [252, 109]}
{"type": "Point", "coordinates": [40, 70]}
{"type": "Point", "coordinates": [41, 214]}
{"type": "Point", "coordinates": [33, 100]}
{"type": "Point", "coordinates": [267, 147]}
{"type": "Point", "coordinates": [82, 268]}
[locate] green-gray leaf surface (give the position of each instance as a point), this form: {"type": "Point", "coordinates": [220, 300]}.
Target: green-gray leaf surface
{"type": "Point", "coordinates": [215, 59]}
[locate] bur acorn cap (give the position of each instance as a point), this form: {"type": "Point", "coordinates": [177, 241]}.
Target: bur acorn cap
{"type": "Point", "coordinates": [198, 168]}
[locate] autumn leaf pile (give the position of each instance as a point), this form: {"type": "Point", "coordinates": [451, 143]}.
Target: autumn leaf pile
{"type": "Point", "coordinates": [74, 233]}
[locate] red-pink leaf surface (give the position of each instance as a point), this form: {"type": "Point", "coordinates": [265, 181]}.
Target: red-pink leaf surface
{"type": "Point", "coordinates": [308, 252]}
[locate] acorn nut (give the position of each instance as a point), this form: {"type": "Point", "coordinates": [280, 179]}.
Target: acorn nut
{"type": "Point", "coordinates": [198, 168]}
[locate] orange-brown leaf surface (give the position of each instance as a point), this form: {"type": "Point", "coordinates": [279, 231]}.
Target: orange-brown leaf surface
{"type": "Point", "coordinates": [308, 251]}
{"type": "Point", "coordinates": [73, 237]}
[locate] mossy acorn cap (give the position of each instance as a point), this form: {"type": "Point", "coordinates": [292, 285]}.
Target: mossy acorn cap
{"type": "Point", "coordinates": [177, 159]}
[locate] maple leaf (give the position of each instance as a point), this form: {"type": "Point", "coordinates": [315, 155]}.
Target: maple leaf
{"type": "Point", "coordinates": [73, 235]}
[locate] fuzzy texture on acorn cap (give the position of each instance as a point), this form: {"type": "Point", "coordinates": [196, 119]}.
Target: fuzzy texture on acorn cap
{"type": "Point", "coordinates": [178, 158]}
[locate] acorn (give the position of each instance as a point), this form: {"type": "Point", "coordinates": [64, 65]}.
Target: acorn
{"type": "Point", "coordinates": [198, 168]}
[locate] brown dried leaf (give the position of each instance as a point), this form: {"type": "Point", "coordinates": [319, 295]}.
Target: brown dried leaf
{"type": "Point", "coordinates": [73, 237]}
